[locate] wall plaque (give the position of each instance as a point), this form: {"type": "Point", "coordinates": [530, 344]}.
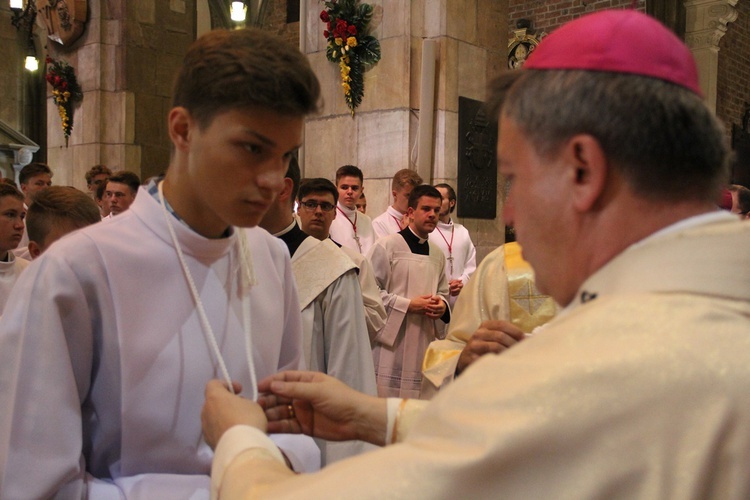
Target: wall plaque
{"type": "Point", "coordinates": [64, 19]}
{"type": "Point", "coordinates": [477, 165]}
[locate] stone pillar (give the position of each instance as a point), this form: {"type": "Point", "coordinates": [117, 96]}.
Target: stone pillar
{"type": "Point", "coordinates": [125, 63]}
{"type": "Point", "coordinates": [705, 23]}
{"type": "Point", "coordinates": [382, 137]}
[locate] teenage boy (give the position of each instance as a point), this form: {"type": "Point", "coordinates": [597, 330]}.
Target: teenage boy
{"type": "Point", "coordinates": [394, 218]}
{"type": "Point", "coordinates": [455, 242]}
{"type": "Point", "coordinates": [12, 213]}
{"type": "Point", "coordinates": [121, 190]}
{"type": "Point", "coordinates": [96, 176]}
{"type": "Point", "coordinates": [101, 380]}
{"type": "Point", "coordinates": [57, 211]}
{"type": "Point", "coordinates": [32, 178]}
{"type": "Point", "coordinates": [351, 228]}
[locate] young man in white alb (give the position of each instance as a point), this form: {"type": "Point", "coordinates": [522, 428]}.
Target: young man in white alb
{"type": "Point", "coordinates": [410, 272]}
{"type": "Point", "coordinates": [454, 240]}
{"type": "Point", "coordinates": [394, 218]}
{"type": "Point", "coordinates": [12, 214]}
{"type": "Point", "coordinates": [101, 381]}
{"type": "Point", "coordinates": [351, 228]}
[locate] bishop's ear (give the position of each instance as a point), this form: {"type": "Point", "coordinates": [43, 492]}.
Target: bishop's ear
{"type": "Point", "coordinates": [589, 168]}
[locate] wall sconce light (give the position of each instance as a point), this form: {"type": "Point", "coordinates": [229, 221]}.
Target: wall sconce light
{"type": "Point", "coordinates": [23, 20]}
{"type": "Point", "coordinates": [31, 63]}
{"type": "Point", "coordinates": [238, 11]}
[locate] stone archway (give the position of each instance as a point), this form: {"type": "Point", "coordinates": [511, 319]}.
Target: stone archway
{"type": "Point", "coordinates": [705, 24]}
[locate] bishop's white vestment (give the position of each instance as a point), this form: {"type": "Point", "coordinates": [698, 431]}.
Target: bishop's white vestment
{"type": "Point", "coordinates": [637, 390]}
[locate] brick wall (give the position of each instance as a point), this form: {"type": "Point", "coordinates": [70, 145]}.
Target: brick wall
{"type": "Point", "coordinates": [275, 22]}
{"type": "Point", "coordinates": [548, 15]}
{"type": "Point", "coordinates": [733, 93]}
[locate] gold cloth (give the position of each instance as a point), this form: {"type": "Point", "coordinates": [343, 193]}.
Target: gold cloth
{"type": "Point", "coordinates": [528, 307]}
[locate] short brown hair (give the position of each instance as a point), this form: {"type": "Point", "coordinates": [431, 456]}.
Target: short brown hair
{"type": "Point", "coordinates": [349, 171]}
{"type": "Point", "coordinates": [244, 68]}
{"type": "Point", "coordinates": [8, 188]}
{"type": "Point", "coordinates": [405, 177]}
{"type": "Point", "coordinates": [97, 170]}
{"type": "Point", "coordinates": [318, 185]}
{"type": "Point", "coordinates": [32, 170]}
{"type": "Point", "coordinates": [420, 191]}
{"type": "Point", "coordinates": [58, 204]}
{"type": "Point", "coordinates": [127, 177]}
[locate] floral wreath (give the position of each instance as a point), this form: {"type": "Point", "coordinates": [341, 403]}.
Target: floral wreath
{"type": "Point", "coordinates": [350, 45]}
{"type": "Point", "coordinates": [65, 92]}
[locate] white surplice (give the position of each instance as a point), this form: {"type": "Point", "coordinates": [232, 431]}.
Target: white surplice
{"type": "Point", "coordinates": [103, 358]}
{"type": "Point", "coordinates": [333, 325]}
{"type": "Point", "coordinates": [638, 393]}
{"type": "Point", "coordinates": [400, 345]}
{"type": "Point", "coordinates": [375, 314]}
{"type": "Point", "coordinates": [352, 229]}
{"type": "Point", "coordinates": [389, 222]}
{"type": "Point", "coordinates": [454, 241]}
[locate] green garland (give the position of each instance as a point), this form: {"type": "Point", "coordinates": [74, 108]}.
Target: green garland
{"type": "Point", "coordinates": [350, 45]}
{"type": "Point", "coordinates": [65, 91]}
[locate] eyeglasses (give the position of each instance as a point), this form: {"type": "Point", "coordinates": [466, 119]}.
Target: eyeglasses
{"type": "Point", "coordinates": [311, 205]}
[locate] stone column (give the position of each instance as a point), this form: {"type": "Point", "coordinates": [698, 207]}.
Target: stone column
{"type": "Point", "coordinates": [705, 23]}
{"type": "Point", "coordinates": [382, 137]}
{"type": "Point", "coordinates": [125, 62]}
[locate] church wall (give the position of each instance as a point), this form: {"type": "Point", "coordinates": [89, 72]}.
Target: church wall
{"type": "Point", "coordinates": [382, 137]}
{"type": "Point", "coordinates": [547, 16]}
{"type": "Point", "coordinates": [733, 93]}
{"type": "Point", "coordinates": [11, 70]}
{"type": "Point", "coordinates": [275, 22]}
{"type": "Point", "coordinates": [21, 91]}
{"type": "Point", "coordinates": [158, 35]}
{"type": "Point", "coordinates": [125, 62]}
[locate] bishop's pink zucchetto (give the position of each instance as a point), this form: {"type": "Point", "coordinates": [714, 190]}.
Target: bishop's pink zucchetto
{"type": "Point", "coordinates": [618, 41]}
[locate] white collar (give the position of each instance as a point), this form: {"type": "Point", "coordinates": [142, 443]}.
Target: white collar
{"type": "Point", "coordinates": [347, 211]}
{"type": "Point", "coordinates": [421, 240]}
{"type": "Point", "coordinates": [286, 229]}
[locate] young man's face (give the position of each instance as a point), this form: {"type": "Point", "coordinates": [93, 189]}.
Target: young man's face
{"type": "Point", "coordinates": [96, 181]}
{"type": "Point", "coordinates": [446, 205]}
{"type": "Point", "coordinates": [424, 218]}
{"type": "Point", "coordinates": [12, 215]}
{"type": "Point", "coordinates": [317, 222]}
{"type": "Point", "coordinates": [349, 190]}
{"type": "Point", "coordinates": [235, 167]}
{"type": "Point", "coordinates": [401, 198]}
{"type": "Point", "coordinates": [35, 184]}
{"type": "Point", "coordinates": [362, 204]}
{"type": "Point", "coordinates": [119, 197]}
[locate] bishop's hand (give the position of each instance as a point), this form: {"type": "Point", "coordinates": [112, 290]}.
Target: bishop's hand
{"type": "Point", "coordinates": [321, 406]}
